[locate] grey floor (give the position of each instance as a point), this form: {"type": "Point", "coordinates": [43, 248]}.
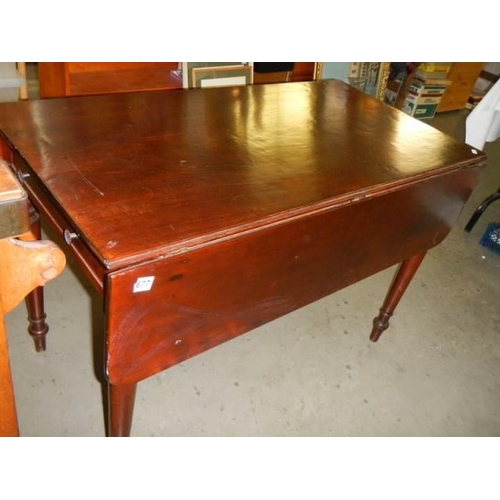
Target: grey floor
{"type": "Point", "coordinates": [436, 372]}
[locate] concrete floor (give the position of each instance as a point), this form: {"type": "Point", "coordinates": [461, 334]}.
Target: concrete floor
{"type": "Point", "coordinates": [435, 372]}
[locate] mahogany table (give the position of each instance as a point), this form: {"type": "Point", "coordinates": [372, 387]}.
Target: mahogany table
{"type": "Point", "coordinates": [202, 214]}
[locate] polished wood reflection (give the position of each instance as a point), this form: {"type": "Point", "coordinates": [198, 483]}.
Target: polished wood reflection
{"type": "Point", "coordinates": [237, 205]}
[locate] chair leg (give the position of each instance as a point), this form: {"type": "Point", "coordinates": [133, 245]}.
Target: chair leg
{"type": "Point", "coordinates": [480, 209]}
{"type": "Point", "coordinates": [8, 419]}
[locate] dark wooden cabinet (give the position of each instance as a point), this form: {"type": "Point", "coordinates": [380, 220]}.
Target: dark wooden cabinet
{"type": "Point", "coordinates": [61, 79]}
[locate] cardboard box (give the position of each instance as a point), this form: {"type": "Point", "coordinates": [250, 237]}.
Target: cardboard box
{"type": "Point", "coordinates": [419, 110]}
{"type": "Point", "coordinates": [421, 87]}
{"type": "Point", "coordinates": [421, 106]}
{"type": "Point", "coordinates": [435, 67]}
{"type": "Point", "coordinates": [432, 77]}
{"type": "Point", "coordinates": [424, 100]}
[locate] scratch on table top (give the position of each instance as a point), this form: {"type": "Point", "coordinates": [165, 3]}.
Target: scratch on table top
{"type": "Point", "coordinates": [83, 177]}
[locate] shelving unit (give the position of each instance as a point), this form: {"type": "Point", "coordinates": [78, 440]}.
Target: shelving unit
{"type": "Point", "coordinates": [463, 76]}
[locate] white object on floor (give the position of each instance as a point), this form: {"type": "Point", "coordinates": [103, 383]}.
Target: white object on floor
{"type": "Point", "coordinates": [483, 124]}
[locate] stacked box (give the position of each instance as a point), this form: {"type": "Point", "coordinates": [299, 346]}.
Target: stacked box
{"type": "Point", "coordinates": [435, 67]}
{"type": "Point", "coordinates": [424, 95]}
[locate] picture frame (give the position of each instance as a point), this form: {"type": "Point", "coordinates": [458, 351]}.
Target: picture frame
{"type": "Point", "coordinates": [203, 75]}
{"type": "Point", "coordinates": [369, 77]}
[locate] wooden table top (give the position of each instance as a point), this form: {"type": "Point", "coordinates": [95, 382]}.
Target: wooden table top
{"type": "Point", "coordinates": [149, 174]}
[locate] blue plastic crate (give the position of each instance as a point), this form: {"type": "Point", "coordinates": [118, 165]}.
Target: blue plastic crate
{"type": "Point", "coordinates": [491, 238]}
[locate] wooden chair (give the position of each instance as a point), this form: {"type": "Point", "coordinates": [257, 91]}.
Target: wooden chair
{"type": "Point", "coordinates": [25, 265]}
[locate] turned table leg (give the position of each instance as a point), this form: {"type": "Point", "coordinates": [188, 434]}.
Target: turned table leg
{"type": "Point", "coordinates": [403, 278]}
{"type": "Point", "coordinates": [37, 328]}
{"type": "Point", "coordinates": [121, 400]}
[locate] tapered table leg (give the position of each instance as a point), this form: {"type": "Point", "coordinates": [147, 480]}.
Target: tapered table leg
{"type": "Point", "coordinates": [121, 400]}
{"type": "Point", "coordinates": [403, 278]}
{"type": "Point", "coordinates": [37, 327]}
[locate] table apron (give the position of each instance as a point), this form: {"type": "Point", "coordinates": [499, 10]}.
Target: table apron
{"type": "Point", "coordinates": [207, 296]}
{"type": "Point", "coordinates": [58, 221]}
